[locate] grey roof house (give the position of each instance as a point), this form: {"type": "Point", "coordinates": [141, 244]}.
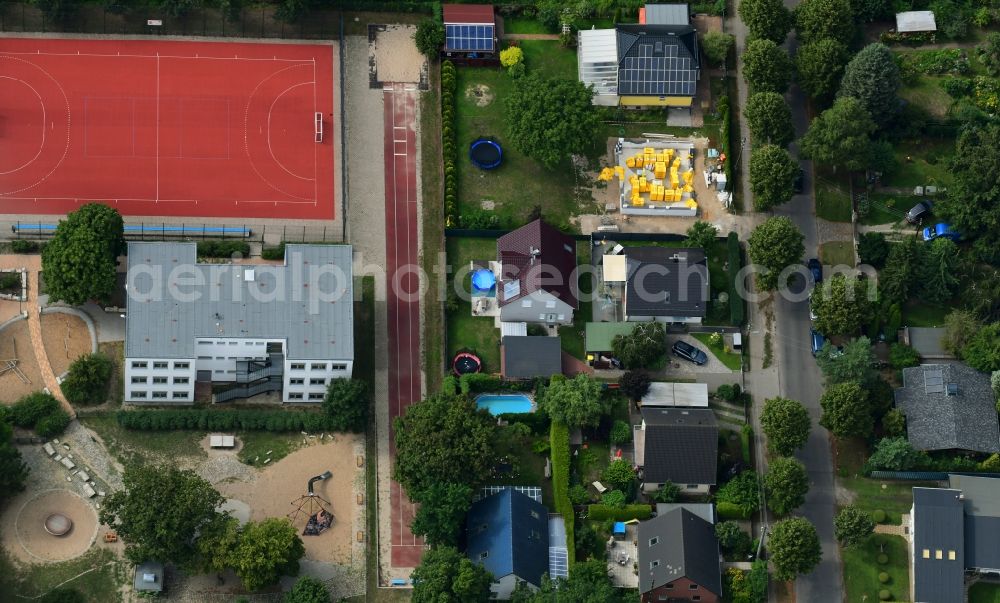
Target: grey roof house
{"type": "Point", "coordinates": [666, 284]}
{"type": "Point", "coordinates": [678, 558]}
{"type": "Point", "coordinates": [508, 534]}
{"type": "Point", "coordinates": [527, 357]}
{"type": "Point", "coordinates": [658, 65]}
{"type": "Point", "coordinates": [677, 445]}
{"type": "Point", "coordinates": [949, 407]}
{"type": "Point", "coordinates": [954, 533]}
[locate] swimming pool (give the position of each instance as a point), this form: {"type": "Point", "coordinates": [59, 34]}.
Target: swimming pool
{"type": "Point", "coordinates": [499, 404]}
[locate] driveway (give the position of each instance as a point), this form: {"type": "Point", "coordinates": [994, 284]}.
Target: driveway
{"type": "Point", "coordinates": [678, 367]}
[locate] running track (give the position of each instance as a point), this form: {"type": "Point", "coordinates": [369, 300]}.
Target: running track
{"type": "Point", "coordinates": [403, 307]}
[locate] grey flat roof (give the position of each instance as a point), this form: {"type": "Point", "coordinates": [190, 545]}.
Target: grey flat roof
{"type": "Point", "coordinates": [981, 500]}
{"type": "Point", "coordinates": [667, 14]}
{"type": "Point", "coordinates": [525, 357]}
{"type": "Point", "coordinates": [308, 301]}
{"type": "Point", "coordinates": [938, 529]}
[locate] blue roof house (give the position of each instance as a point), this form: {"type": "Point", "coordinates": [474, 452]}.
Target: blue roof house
{"type": "Point", "coordinates": [509, 536]}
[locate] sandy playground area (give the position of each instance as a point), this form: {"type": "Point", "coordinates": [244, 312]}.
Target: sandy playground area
{"type": "Point", "coordinates": [11, 385]}
{"type": "Point", "coordinates": [24, 535]}
{"type": "Point", "coordinates": [66, 338]}
{"type": "Point", "coordinates": [272, 491]}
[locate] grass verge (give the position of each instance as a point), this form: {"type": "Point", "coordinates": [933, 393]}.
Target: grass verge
{"type": "Point", "coordinates": [101, 571]}
{"type": "Point", "coordinates": [432, 228]}
{"type": "Point", "coordinates": [923, 314]}
{"type": "Point", "coordinates": [861, 569]}
{"type": "Point", "coordinates": [832, 202]}
{"type": "Point", "coordinates": [130, 446]}
{"type": "Point", "coordinates": [733, 362]}
{"type": "Point", "coordinates": [984, 592]}
{"type": "Point", "coordinates": [837, 253]}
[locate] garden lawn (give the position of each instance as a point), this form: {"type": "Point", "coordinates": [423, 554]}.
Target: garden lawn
{"type": "Point", "coordinates": [520, 183]}
{"type": "Point", "coordinates": [887, 209]}
{"type": "Point", "coordinates": [591, 462]}
{"type": "Point", "coordinates": [571, 337]}
{"type": "Point", "coordinates": [861, 569]}
{"type": "Point", "coordinates": [731, 360]}
{"type": "Point", "coordinates": [145, 446]}
{"type": "Point", "coordinates": [926, 92]}
{"type": "Point", "coordinates": [464, 330]}
{"type": "Point", "coordinates": [837, 253]}
{"type": "Point", "coordinates": [918, 171]}
{"type": "Point", "coordinates": [522, 25]}
{"type": "Point", "coordinates": [549, 58]}
{"type": "Point", "coordinates": [984, 592]}
{"type": "Point", "coordinates": [529, 466]}
{"type": "Point", "coordinates": [833, 203]}
{"type": "Point", "coordinates": [922, 314]}
{"type": "Point", "coordinates": [893, 497]}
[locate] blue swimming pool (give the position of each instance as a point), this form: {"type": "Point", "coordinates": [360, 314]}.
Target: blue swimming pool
{"type": "Point", "coordinates": [499, 404]}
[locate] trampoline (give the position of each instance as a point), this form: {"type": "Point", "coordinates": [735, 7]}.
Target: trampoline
{"type": "Point", "coordinates": [465, 363]}
{"type": "Point", "coordinates": [483, 281]}
{"type": "Point", "coordinates": [485, 153]}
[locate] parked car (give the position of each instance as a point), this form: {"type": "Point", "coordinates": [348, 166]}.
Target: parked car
{"type": "Point", "coordinates": [919, 211]}
{"type": "Point", "coordinates": [817, 341]}
{"type": "Point", "coordinates": [940, 230]}
{"type": "Point", "coordinates": [816, 269]}
{"type": "Point", "coordinates": [688, 352]}
{"type": "Point", "coordinates": [799, 184]}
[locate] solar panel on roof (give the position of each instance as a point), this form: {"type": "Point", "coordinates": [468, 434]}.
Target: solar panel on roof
{"type": "Point", "coordinates": [469, 37]}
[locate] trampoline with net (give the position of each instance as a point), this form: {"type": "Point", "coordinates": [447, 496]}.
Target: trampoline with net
{"type": "Point", "coordinates": [465, 363]}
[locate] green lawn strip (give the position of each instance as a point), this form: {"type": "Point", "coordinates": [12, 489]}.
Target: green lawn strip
{"type": "Point", "coordinates": [592, 461]}
{"type": "Point", "coordinates": [895, 498]}
{"type": "Point", "coordinates": [145, 446]}
{"type": "Point", "coordinates": [432, 216]}
{"type": "Point", "coordinates": [99, 585]}
{"type": "Point", "coordinates": [833, 203]}
{"type": "Point", "coordinates": [520, 183]}
{"type": "Point", "coordinates": [523, 25]}
{"type": "Point", "coordinates": [920, 163]}
{"type": "Point", "coordinates": [922, 314]}
{"type": "Point", "coordinates": [549, 57]}
{"type": "Point", "coordinates": [861, 568]}
{"type": "Point", "coordinates": [464, 330]}
{"type": "Point", "coordinates": [837, 253]}
{"type": "Point", "coordinates": [571, 337]}
{"type": "Point", "coordinates": [115, 350]}
{"type": "Point", "coordinates": [984, 592]}
{"type": "Point", "coordinates": [732, 361]}
{"type": "Point", "coordinates": [258, 446]}
{"type": "Point", "coordinates": [887, 209]}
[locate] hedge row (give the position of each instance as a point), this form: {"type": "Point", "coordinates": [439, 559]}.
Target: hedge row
{"type": "Point", "coordinates": [223, 249]}
{"type": "Point", "coordinates": [273, 253]}
{"type": "Point", "coordinates": [724, 136]}
{"type": "Point", "coordinates": [471, 383]}
{"type": "Point", "coordinates": [211, 420]}
{"type": "Point", "coordinates": [737, 306]}
{"type": "Point", "coordinates": [728, 510]}
{"type": "Point", "coordinates": [559, 443]}
{"type": "Point", "coordinates": [626, 513]}
{"type": "Point", "coordinates": [23, 246]}
{"type": "Point", "coordinates": [449, 144]}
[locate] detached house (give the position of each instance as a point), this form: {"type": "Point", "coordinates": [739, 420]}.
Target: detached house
{"type": "Point", "coordinates": [537, 281]}
{"type": "Point", "coordinates": [677, 445]}
{"type": "Point", "coordinates": [666, 284]}
{"type": "Point", "coordinates": [679, 558]}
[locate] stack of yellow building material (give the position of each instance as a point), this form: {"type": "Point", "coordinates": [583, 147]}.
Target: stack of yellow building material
{"type": "Point", "coordinates": [606, 174]}
{"type": "Point", "coordinates": [660, 169]}
{"type": "Point", "coordinates": [619, 172]}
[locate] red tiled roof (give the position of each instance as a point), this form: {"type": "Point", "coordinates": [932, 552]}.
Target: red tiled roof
{"type": "Point", "coordinates": [551, 268]}
{"type": "Point", "coordinates": [468, 13]}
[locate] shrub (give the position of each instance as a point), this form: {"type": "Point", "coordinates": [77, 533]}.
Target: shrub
{"type": "Point", "coordinates": [31, 408]}
{"type": "Point", "coordinates": [902, 356]}
{"type": "Point", "coordinates": [625, 513]}
{"type": "Point", "coordinates": [273, 253]}
{"type": "Point", "coordinates": [728, 510]}
{"type": "Point", "coordinates": [884, 595]}
{"type": "Point", "coordinates": [578, 495]}
{"type": "Point", "coordinates": [510, 56]}
{"type": "Point", "coordinates": [879, 516]}
{"type": "Point", "coordinates": [957, 87]}
{"type": "Point", "coordinates": [883, 577]}
{"type": "Point", "coordinates": [52, 424]}
{"type": "Point", "coordinates": [734, 257]}
{"type": "Point", "coordinates": [729, 393]}
{"type": "Point", "coordinates": [223, 249]}
{"type": "Point", "coordinates": [22, 246]}
{"type": "Point", "coordinates": [448, 140]}
{"type": "Point", "coordinates": [614, 499]}
{"type": "Point", "coordinates": [87, 379]}
{"type": "Point", "coordinates": [882, 559]}
{"type": "Point", "coordinates": [224, 420]}
{"type": "Point", "coordinates": [621, 433]}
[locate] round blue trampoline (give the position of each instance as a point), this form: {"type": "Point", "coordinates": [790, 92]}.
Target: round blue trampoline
{"type": "Point", "coordinates": [485, 153]}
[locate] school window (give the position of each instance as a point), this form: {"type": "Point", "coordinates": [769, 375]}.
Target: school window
{"type": "Point", "coordinates": [298, 366]}
{"type": "Point", "coordinates": [204, 343]}
{"type": "Point", "coordinates": [159, 394]}
{"type": "Point", "coordinates": [204, 357]}
{"type": "Point", "coordinates": [160, 365]}
{"type": "Point", "coordinates": [159, 379]}
{"type": "Point", "coordinates": [298, 381]}
{"type": "Point", "coordinates": [339, 367]}
{"type": "Point", "coordinates": [294, 396]}
{"type": "Point", "coordinates": [138, 379]}
{"type": "Point", "coordinates": [138, 394]}
{"type": "Point", "coordinates": [180, 394]}
{"type": "Point", "coordinates": [182, 365]}
{"type": "Point", "coordinates": [139, 365]}
{"type": "Point", "coordinates": [181, 379]}
{"type": "Point", "coordinates": [315, 396]}
{"type": "Point", "coordinates": [318, 366]}
{"type": "Point", "coordinates": [317, 382]}
{"type": "Point", "coordinates": [233, 342]}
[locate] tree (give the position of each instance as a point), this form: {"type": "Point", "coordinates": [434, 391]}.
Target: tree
{"type": "Point", "coordinates": [866, 11]}
{"type": "Point", "coordinates": [266, 550]}
{"type": "Point", "coordinates": [873, 249]}
{"type": "Point", "coordinates": [733, 540]}
{"type": "Point", "coordinates": [52, 424]}
{"type": "Point", "coordinates": [510, 56]}
{"type": "Point", "coordinates": [895, 454]}
{"type": "Point", "coordinates": [872, 77]}
{"type": "Point", "coordinates": [159, 511]}
{"type": "Point", "coordinates": [901, 276]}
{"type": "Point", "coordinates": [840, 135]}
{"type": "Point", "coordinates": [308, 590]}
{"type": "Point", "coordinates": [794, 548]}
{"type": "Point", "coordinates": [716, 46]}
{"type": "Point", "coordinates": [773, 246]}
{"type": "Point", "coordinates": [215, 543]}
{"type": "Point", "coordinates": [766, 67]}
{"type": "Point", "coordinates": [821, 19]}
{"type": "Point", "coordinates": [989, 52]}
{"type": "Point", "coordinates": [959, 328]}
{"type": "Point", "coordinates": [982, 352]}
{"type": "Point", "coordinates": [13, 470]}
{"type": "Point", "coordinates": [634, 384]}
{"type": "Point", "coordinates": [613, 498]}
{"type": "Point", "coordinates": [757, 581]}
{"type": "Point", "coordinates": [642, 347]}
{"type": "Point", "coordinates": [742, 491]}
{"type": "Point", "coordinates": [32, 408]}
{"type": "Point", "coordinates": [972, 205]}
{"type": "Point", "coordinates": [549, 119]}
{"type": "Point", "coordinates": [346, 403]}
{"type": "Point", "coordinates": [588, 582]}
{"type": "Point", "coordinates": [702, 235]}
{"type": "Point", "coordinates": [786, 484]}
{"type": "Point", "coordinates": [443, 440]}
{"type": "Point", "coordinates": [620, 474]}
{"type": "Point", "coordinates": [786, 424]}
{"type": "Point", "coordinates": [667, 493]}
{"type": "Point", "coordinates": [429, 37]}
{"type": "Point", "coordinates": [938, 272]}
{"type": "Point", "coordinates": [820, 67]}
{"type": "Point", "coordinates": [842, 306]}
{"type": "Point", "coordinates": [80, 262]}
{"type": "Point", "coordinates": [577, 402]}
{"type": "Point", "coordinates": [621, 433]}
{"type": "Point", "coordinates": [894, 423]}
{"type": "Point", "coordinates": [846, 410]}
{"type": "Point", "coordinates": [852, 526]}
{"type": "Point", "coordinates": [441, 512]}
{"type": "Point", "coordinates": [902, 356]}
{"type": "Point", "coordinates": [447, 576]}
{"type": "Point", "coordinates": [769, 119]}
{"type": "Point", "coordinates": [772, 172]}
{"type": "Point", "coordinates": [766, 19]}
{"type": "Point", "coordinates": [87, 379]}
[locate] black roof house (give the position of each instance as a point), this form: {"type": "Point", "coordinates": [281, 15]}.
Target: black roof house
{"type": "Point", "coordinates": [662, 281]}
{"type": "Point", "coordinates": [678, 544]}
{"type": "Point", "coordinates": [681, 445]}
{"type": "Point", "coordinates": [657, 60]}
{"type": "Point", "coordinates": [527, 357]}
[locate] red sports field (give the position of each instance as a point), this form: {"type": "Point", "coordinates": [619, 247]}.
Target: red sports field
{"type": "Point", "coordinates": [162, 128]}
